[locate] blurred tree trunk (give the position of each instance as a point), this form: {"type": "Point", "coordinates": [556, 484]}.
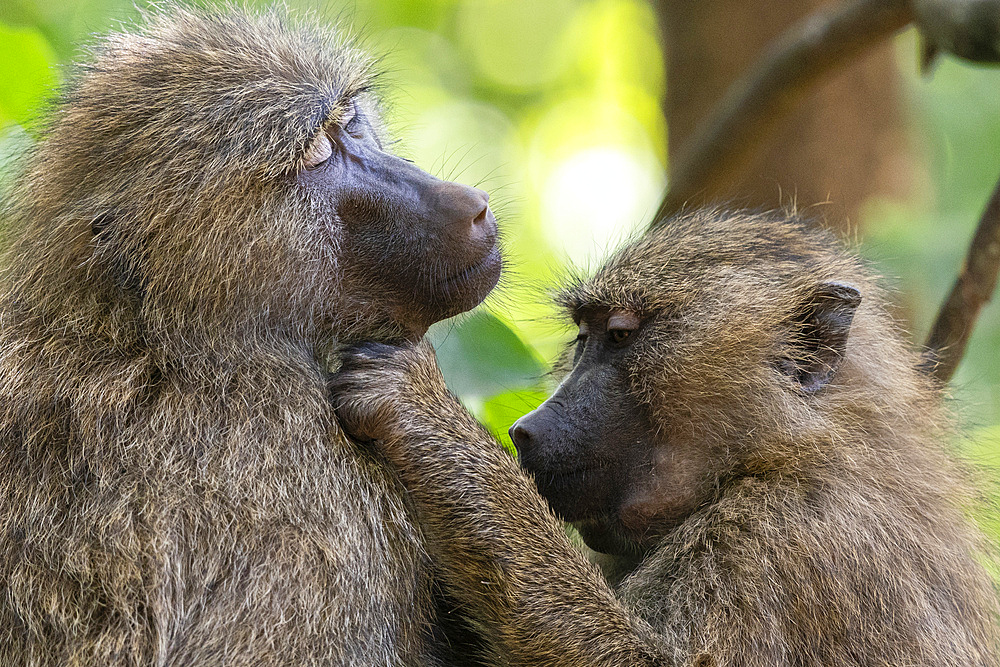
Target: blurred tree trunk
{"type": "Point", "coordinates": [843, 144]}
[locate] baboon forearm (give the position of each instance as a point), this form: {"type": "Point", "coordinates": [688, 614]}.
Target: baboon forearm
{"type": "Point", "coordinates": [499, 551]}
{"type": "Point", "coordinates": [505, 557]}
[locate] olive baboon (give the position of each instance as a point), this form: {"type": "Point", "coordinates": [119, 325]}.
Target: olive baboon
{"type": "Point", "coordinates": [210, 211]}
{"type": "Point", "coordinates": [740, 431]}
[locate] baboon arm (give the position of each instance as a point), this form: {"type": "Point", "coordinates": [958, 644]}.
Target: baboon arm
{"type": "Point", "coordinates": [502, 554]}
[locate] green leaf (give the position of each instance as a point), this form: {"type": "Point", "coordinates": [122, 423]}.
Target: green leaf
{"type": "Point", "coordinates": [480, 356]}
{"type": "Point", "coordinates": [983, 447]}
{"type": "Point", "coordinates": [500, 412]}
{"type": "Point", "coordinates": [26, 73]}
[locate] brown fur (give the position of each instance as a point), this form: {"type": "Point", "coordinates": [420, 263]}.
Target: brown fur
{"type": "Point", "coordinates": [501, 553]}
{"type": "Point", "coordinates": [174, 485]}
{"type": "Point", "coordinates": [828, 527]}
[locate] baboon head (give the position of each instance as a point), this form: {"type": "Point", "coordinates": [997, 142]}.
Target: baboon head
{"type": "Point", "coordinates": [229, 176]}
{"type": "Point", "coordinates": [717, 346]}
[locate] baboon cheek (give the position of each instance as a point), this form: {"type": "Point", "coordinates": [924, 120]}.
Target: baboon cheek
{"type": "Point", "coordinates": [678, 484]}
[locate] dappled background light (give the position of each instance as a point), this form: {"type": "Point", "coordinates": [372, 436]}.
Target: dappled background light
{"type": "Point", "coordinates": [595, 197]}
{"type": "Point", "coordinates": [554, 107]}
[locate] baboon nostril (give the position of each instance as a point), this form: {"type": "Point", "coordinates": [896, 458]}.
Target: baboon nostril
{"type": "Point", "coordinates": [464, 207]}
{"type": "Point", "coordinates": [483, 227]}
{"type": "Point", "coordinates": [481, 217]}
{"type": "Point", "coordinates": [479, 202]}
{"type": "Point", "coordinates": [520, 436]}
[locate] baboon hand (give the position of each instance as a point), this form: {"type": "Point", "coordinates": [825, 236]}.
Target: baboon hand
{"type": "Point", "coordinates": [384, 392]}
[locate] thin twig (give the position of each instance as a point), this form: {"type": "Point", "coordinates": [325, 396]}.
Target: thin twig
{"type": "Point", "coordinates": [973, 289]}
{"type": "Point", "coordinates": [787, 71]}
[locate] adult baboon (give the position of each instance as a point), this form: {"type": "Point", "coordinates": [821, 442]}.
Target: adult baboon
{"type": "Point", "coordinates": [743, 434]}
{"type": "Point", "coordinates": [210, 212]}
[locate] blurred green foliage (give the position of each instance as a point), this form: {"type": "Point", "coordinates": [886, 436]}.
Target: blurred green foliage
{"type": "Point", "coordinates": [553, 107]}
{"type": "Point", "coordinates": [920, 245]}
{"type": "Point", "coordinates": [26, 73]}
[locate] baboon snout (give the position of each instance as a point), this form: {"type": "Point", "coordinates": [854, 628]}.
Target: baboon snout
{"type": "Point", "coordinates": [520, 436]}
{"type": "Point", "coordinates": [464, 210]}
{"type": "Point", "coordinates": [530, 432]}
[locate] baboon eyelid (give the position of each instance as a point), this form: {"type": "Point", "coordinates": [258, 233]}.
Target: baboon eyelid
{"type": "Point", "coordinates": [624, 320]}
{"type": "Point", "coordinates": [350, 115]}
{"type": "Point", "coordinates": [319, 151]}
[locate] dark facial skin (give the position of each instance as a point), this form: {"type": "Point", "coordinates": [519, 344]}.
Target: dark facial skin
{"type": "Point", "coordinates": [419, 249]}
{"type": "Point", "coordinates": [591, 470]}
{"type": "Point", "coordinates": [594, 451]}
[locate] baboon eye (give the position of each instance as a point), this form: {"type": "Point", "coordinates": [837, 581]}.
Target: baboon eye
{"type": "Point", "coordinates": [619, 336]}
{"type": "Point", "coordinates": [319, 151]}
{"type": "Point", "coordinates": [621, 325]}
{"type": "Point", "coordinates": [351, 122]}
{"type": "Point", "coordinates": [580, 342]}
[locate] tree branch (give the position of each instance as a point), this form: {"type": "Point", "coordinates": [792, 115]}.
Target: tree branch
{"type": "Point", "coordinates": [748, 112]}
{"type": "Point", "coordinates": [974, 288]}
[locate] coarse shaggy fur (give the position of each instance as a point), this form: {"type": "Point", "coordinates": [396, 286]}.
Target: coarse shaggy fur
{"type": "Point", "coordinates": [836, 532]}
{"type": "Point", "coordinates": [829, 527]}
{"type": "Point", "coordinates": [174, 486]}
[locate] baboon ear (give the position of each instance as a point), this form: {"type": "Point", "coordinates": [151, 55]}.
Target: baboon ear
{"type": "Point", "coordinates": [819, 335]}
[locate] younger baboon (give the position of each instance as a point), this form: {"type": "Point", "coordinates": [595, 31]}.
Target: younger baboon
{"type": "Point", "coordinates": [743, 434]}
{"type": "Point", "coordinates": [210, 211]}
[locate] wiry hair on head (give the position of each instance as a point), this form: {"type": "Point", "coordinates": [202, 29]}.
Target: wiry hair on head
{"type": "Point", "coordinates": [232, 92]}
{"type": "Point", "coordinates": [657, 270]}
{"type": "Point", "coordinates": [166, 171]}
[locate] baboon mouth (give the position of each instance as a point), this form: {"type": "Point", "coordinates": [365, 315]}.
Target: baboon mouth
{"type": "Point", "coordinates": [575, 494]}
{"type": "Point", "coordinates": [573, 473]}
{"type": "Point", "coordinates": [448, 296]}
{"type": "Point", "coordinates": [483, 273]}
